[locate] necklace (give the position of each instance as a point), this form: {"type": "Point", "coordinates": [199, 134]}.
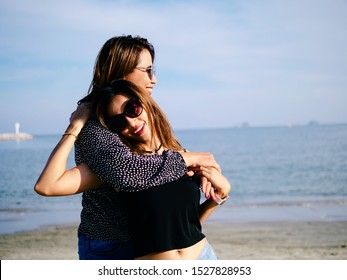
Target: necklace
{"type": "Point", "coordinates": [155, 151]}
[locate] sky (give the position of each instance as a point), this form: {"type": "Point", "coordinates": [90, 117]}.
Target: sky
{"type": "Point", "coordinates": [219, 63]}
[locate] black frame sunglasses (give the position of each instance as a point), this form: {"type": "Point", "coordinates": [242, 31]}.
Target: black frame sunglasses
{"type": "Point", "coordinates": [132, 109]}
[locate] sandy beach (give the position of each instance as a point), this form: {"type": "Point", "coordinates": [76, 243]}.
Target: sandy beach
{"type": "Point", "coordinates": [233, 241]}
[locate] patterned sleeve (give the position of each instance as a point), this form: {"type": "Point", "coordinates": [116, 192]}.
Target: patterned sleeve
{"type": "Point", "coordinates": [103, 151]}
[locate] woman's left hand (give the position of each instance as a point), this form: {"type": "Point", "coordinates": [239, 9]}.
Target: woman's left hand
{"type": "Point", "coordinates": [216, 182]}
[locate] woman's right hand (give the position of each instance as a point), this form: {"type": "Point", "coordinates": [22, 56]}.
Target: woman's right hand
{"type": "Point", "coordinates": [195, 160]}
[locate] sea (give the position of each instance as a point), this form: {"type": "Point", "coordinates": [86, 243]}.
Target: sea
{"type": "Point", "coordinates": [288, 173]}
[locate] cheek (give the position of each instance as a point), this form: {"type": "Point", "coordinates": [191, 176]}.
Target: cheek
{"type": "Point", "coordinates": [146, 120]}
{"type": "Point", "coordinates": [138, 79]}
{"type": "Point", "coordinates": [126, 134]}
{"type": "Point", "coordinates": [134, 78]}
{"type": "Point", "coordinates": [140, 82]}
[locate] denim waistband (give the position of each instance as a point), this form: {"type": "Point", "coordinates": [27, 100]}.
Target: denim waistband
{"type": "Point", "coordinates": [207, 253]}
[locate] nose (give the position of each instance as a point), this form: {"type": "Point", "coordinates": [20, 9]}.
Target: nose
{"type": "Point", "coordinates": [131, 123]}
{"type": "Point", "coordinates": [154, 79]}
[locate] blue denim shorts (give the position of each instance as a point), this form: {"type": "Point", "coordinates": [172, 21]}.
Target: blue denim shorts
{"type": "Point", "coordinates": [89, 249]}
{"type": "Point", "coordinates": [207, 253]}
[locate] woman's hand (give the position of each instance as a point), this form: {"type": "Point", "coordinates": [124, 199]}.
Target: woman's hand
{"type": "Point", "coordinates": [198, 162]}
{"type": "Point", "coordinates": [206, 187]}
{"type": "Point", "coordinates": [216, 182]}
{"type": "Point", "coordinates": [195, 160]}
{"type": "Point", "coordinates": [79, 118]}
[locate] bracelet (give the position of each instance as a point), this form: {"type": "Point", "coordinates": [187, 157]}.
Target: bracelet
{"type": "Point", "coordinates": [219, 200]}
{"type": "Point", "coordinates": [74, 135]}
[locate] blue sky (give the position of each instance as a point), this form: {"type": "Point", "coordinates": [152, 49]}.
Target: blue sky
{"type": "Point", "coordinates": [219, 63]}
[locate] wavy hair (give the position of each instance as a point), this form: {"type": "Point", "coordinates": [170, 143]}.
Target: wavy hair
{"type": "Point", "coordinates": [158, 122]}
{"type": "Point", "coordinates": [118, 57]}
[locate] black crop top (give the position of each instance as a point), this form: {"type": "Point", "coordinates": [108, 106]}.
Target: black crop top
{"type": "Point", "coordinates": [165, 217]}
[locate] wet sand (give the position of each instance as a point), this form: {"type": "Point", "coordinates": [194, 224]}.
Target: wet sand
{"type": "Point", "coordinates": [231, 241]}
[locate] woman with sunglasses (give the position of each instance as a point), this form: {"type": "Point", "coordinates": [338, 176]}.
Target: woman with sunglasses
{"type": "Point", "coordinates": [103, 231]}
{"type": "Point", "coordinates": [165, 220]}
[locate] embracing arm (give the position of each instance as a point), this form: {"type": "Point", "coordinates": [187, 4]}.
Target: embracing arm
{"type": "Point", "coordinates": [113, 160]}
{"type": "Point", "coordinates": [103, 151]}
{"type": "Point", "coordinates": [55, 179]}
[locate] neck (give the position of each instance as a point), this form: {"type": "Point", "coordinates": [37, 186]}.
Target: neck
{"type": "Point", "coordinates": [151, 145]}
{"type": "Point", "coordinates": [154, 151]}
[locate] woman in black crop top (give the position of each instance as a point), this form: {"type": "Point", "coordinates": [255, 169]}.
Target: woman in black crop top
{"type": "Point", "coordinates": [165, 220]}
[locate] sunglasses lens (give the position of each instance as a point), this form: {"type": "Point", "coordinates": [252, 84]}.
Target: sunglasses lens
{"type": "Point", "coordinates": [151, 72]}
{"type": "Point", "coordinates": [133, 108]}
{"type": "Point", "coordinates": [118, 123]}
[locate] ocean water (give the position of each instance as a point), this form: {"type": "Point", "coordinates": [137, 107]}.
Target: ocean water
{"type": "Point", "coordinates": [277, 174]}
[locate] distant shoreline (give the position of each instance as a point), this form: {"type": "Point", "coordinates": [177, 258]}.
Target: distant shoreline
{"type": "Point", "coordinates": [236, 126]}
{"type": "Point", "coordinates": [15, 136]}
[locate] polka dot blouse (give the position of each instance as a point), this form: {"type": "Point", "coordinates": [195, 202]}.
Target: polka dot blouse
{"type": "Point", "coordinates": [102, 216]}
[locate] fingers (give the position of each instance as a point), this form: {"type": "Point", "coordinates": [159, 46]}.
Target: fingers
{"type": "Point", "coordinates": [82, 113]}
{"type": "Point", "coordinates": [220, 183]}
{"type": "Point", "coordinates": [213, 194]}
{"type": "Point", "coordinates": [194, 159]}
{"type": "Point", "coordinates": [203, 184]}
{"type": "Point", "coordinates": [208, 188]}
{"type": "Point", "coordinates": [79, 117]}
{"type": "Point", "coordinates": [212, 162]}
{"type": "Point", "coordinates": [190, 173]}
{"type": "Point", "coordinates": [84, 109]}
{"type": "Point", "coordinates": [207, 172]}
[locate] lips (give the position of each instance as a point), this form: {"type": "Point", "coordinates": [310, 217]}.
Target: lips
{"type": "Point", "coordinates": [149, 90]}
{"type": "Point", "coordinates": [140, 129]}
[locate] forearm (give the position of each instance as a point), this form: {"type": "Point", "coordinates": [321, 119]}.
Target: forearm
{"type": "Point", "coordinates": [55, 179]}
{"type": "Point", "coordinates": [48, 182]}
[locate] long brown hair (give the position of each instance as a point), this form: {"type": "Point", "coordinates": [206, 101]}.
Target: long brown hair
{"type": "Point", "coordinates": [118, 57]}
{"type": "Point", "coordinates": [158, 122]}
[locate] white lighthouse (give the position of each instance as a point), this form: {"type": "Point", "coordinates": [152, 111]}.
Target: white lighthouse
{"type": "Point", "coordinates": [17, 135]}
{"type": "Point", "coordinates": [17, 126]}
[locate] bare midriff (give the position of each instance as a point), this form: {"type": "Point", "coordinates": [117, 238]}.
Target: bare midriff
{"type": "Point", "coordinates": [189, 253]}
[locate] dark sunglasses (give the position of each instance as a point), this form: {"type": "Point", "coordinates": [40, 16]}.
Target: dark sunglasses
{"type": "Point", "coordinates": [132, 109]}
